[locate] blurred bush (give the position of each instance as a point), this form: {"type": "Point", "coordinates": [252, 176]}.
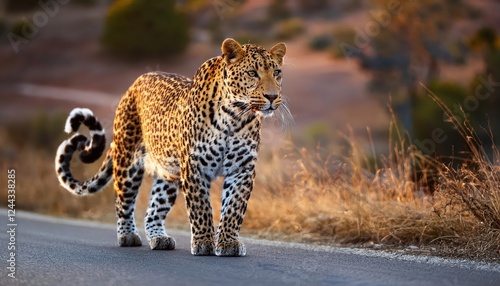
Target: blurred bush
{"type": "Point", "coordinates": [428, 113]}
{"type": "Point", "coordinates": [317, 134]}
{"type": "Point", "coordinates": [290, 28]}
{"type": "Point", "coordinates": [485, 84]}
{"type": "Point", "coordinates": [474, 105]}
{"type": "Point", "coordinates": [341, 35]}
{"type": "Point", "coordinates": [41, 131]}
{"type": "Point", "coordinates": [142, 28]}
{"type": "Point", "coordinates": [431, 122]}
{"type": "Point", "coordinates": [320, 42]}
{"type": "Point", "coordinates": [483, 40]}
{"type": "Point", "coordinates": [20, 26]}
{"type": "Point", "coordinates": [278, 10]}
{"type": "Point", "coordinates": [493, 65]}
{"type": "Point", "coordinates": [20, 5]}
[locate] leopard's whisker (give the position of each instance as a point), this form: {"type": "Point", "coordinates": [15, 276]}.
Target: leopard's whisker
{"type": "Point", "coordinates": [285, 114]}
{"type": "Point", "coordinates": [243, 112]}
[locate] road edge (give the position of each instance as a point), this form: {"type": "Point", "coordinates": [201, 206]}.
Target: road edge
{"type": "Point", "coordinates": [425, 259]}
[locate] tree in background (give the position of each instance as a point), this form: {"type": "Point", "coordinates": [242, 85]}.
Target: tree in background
{"type": "Point", "coordinates": [421, 28]}
{"type": "Point", "coordinates": [142, 28]}
{"type": "Point", "coordinates": [412, 39]}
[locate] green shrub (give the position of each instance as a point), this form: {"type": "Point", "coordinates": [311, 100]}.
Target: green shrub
{"type": "Point", "coordinates": [493, 64]}
{"type": "Point", "coordinates": [342, 35]}
{"type": "Point", "coordinates": [317, 133]}
{"type": "Point", "coordinates": [20, 26]}
{"type": "Point", "coordinates": [320, 42]}
{"type": "Point", "coordinates": [278, 10]}
{"type": "Point", "coordinates": [21, 5]}
{"type": "Point", "coordinates": [484, 36]}
{"type": "Point", "coordinates": [142, 28]}
{"type": "Point", "coordinates": [431, 122]}
{"type": "Point", "coordinates": [290, 28]}
{"type": "Point", "coordinates": [490, 95]}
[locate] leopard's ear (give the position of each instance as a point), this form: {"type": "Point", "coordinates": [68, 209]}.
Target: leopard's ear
{"type": "Point", "coordinates": [278, 52]}
{"type": "Point", "coordinates": [231, 50]}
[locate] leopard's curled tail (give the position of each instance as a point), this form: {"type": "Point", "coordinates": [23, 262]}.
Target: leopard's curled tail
{"type": "Point", "coordinates": [88, 152]}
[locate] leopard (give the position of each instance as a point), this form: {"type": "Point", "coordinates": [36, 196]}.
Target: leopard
{"type": "Point", "coordinates": [184, 133]}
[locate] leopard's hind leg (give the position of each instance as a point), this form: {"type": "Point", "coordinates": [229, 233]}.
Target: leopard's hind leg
{"type": "Point", "coordinates": [128, 178]}
{"type": "Point", "coordinates": [163, 196]}
{"type": "Point", "coordinates": [128, 168]}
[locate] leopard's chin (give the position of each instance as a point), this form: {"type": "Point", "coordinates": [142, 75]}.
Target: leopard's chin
{"type": "Point", "coordinates": [266, 112]}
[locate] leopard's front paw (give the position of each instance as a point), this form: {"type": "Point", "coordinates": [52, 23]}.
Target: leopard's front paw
{"type": "Point", "coordinates": [202, 248]}
{"type": "Point", "coordinates": [129, 239]}
{"type": "Point", "coordinates": [230, 248]}
{"type": "Point", "coordinates": [162, 243]}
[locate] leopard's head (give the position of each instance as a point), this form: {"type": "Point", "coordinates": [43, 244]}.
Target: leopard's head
{"type": "Point", "coordinates": [252, 76]}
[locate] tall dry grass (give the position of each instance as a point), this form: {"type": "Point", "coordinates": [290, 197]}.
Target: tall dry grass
{"type": "Point", "coordinates": [338, 202]}
{"type": "Point", "coordinates": [305, 195]}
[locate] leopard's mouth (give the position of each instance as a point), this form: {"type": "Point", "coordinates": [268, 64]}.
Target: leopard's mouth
{"type": "Point", "coordinates": [256, 108]}
{"type": "Point", "coordinates": [266, 112]}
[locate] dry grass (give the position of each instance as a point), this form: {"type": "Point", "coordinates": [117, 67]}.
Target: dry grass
{"type": "Point", "coordinates": [326, 201]}
{"type": "Point", "coordinates": [305, 196]}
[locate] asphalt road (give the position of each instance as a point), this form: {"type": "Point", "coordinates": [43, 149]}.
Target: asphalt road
{"type": "Point", "coordinates": [64, 252]}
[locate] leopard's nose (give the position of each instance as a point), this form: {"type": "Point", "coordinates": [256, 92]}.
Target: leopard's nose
{"type": "Point", "coordinates": [271, 97]}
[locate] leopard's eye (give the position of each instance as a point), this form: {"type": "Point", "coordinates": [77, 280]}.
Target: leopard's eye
{"type": "Point", "coordinates": [277, 73]}
{"type": "Point", "coordinates": [252, 73]}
